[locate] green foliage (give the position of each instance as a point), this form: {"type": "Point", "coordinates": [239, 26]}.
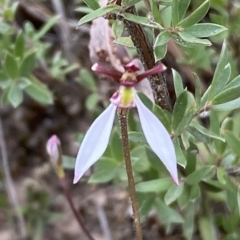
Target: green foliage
{"type": "Point", "coordinates": [206, 153]}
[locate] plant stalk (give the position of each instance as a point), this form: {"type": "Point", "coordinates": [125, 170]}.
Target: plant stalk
{"type": "Point", "coordinates": [122, 114]}
{"type": "Point", "coordinates": [71, 204]}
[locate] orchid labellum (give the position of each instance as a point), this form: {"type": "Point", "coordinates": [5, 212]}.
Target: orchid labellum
{"type": "Point", "coordinates": [97, 137]}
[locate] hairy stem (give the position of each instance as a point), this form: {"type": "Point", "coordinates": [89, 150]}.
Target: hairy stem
{"type": "Point", "coordinates": [122, 114]}
{"type": "Point", "coordinates": [71, 204]}
{"type": "Point", "coordinates": [145, 53]}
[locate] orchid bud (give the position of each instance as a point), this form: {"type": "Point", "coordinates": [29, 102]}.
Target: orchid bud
{"type": "Point", "coordinates": [54, 151]}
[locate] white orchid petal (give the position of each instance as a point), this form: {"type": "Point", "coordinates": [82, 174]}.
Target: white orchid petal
{"type": "Point", "coordinates": [158, 138]}
{"type": "Point", "coordinates": [95, 142]}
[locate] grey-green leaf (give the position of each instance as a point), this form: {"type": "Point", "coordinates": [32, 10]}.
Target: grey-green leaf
{"type": "Point", "coordinates": [15, 95]}
{"type": "Point", "coordinates": [162, 38]}
{"type": "Point", "coordinates": [28, 63]}
{"type": "Point", "coordinates": [158, 185]}
{"type": "Point", "coordinates": [160, 52]}
{"type": "Point", "coordinates": [19, 45]}
{"type": "Point", "coordinates": [191, 39]}
{"type": "Point", "coordinates": [196, 15]}
{"type": "Point", "coordinates": [177, 81]}
{"type": "Point", "coordinates": [11, 66]}
{"type": "Point", "coordinates": [227, 95]}
{"type": "Point", "coordinates": [199, 175]}
{"type": "Point", "coordinates": [182, 8]}
{"type": "Point", "coordinates": [93, 4]}
{"type": "Point", "coordinates": [222, 62]}
{"type": "Point", "coordinates": [203, 30]}
{"type": "Point", "coordinates": [173, 193]}
{"type": "Point", "coordinates": [98, 13]}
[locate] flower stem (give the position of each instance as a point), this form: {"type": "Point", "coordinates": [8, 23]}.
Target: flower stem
{"type": "Point", "coordinates": [75, 213]}
{"type": "Point", "coordinates": [122, 114]}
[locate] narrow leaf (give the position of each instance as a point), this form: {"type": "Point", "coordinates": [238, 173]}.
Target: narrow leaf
{"type": "Point", "coordinates": [191, 39]}
{"type": "Point", "coordinates": [27, 65]}
{"type": "Point", "coordinates": [182, 8]}
{"type": "Point", "coordinates": [173, 193]}
{"type": "Point", "coordinates": [177, 81]}
{"type": "Point", "coordinates": [11, 66]}
{"type": "Point", "coordinates": [158, 185]}
{"type": "Point", "coordinates": [227, 95]}
{"type": "Point", "coordinates": [162, 38]}
{"type": "Point", "coordinates": [98, 13]}
{"type": "Point", "coordinates": [203, 30]}
{"type": "Point", "coordinates": [19, 45]}
{"type": "Point", "coordinates": [222, 62]}
{"type": "Point", "coordinates": [15, 95]}
{"type": "Point", "coordinates": [196, 15]}
{"type": "Point", "coordinates": [233, 142]}
{"type": "Point", "coordinates": [93, 4]}
{"type": "Point", "coordinates": [160, 52]}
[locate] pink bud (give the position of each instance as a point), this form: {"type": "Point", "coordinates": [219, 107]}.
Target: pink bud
{"type": "Point", "coordinates": [53, 149]}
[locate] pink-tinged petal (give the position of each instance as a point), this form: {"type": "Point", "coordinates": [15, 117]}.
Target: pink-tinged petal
{"type": "Point", "coordinates": [111, 73]}
{"type": "Point", "coordinates": [53, 148]}
{"type": "Point", "coordinates": [157, 69]}
{"type": "Point", "coordinates": [158, 138]}
{"type": "Point", "coordinates": [95, 142]}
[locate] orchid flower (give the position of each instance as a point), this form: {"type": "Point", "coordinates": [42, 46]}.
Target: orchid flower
{"type": "Point", "coordinates": [97, 137]}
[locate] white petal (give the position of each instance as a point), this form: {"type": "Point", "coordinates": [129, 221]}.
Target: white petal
{"type": "Point", "coordinates": [158, 138]}
{"type": "Point", "coordinates": [95, 142]}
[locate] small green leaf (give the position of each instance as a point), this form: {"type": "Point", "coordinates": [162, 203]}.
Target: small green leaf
{"type": "Point", "coordinates": [177, 81]}
{"type": "Point", "coordinates": [11, 66]}
{"type": "Point", "coordinates": [182, 8]}
{"type": "Point", "coordinates": [146, 207]}
{"type": "Point", "coordinates": [98, 13]}
{"type": "Point", "coordinates": [167, 214]}
{"type": "Point", "coordinates": [5, 80]}
{"type": "Point", "coordinates": [207, 132]}
{"type": "Point", "coordinates": [155, 11]}
{"type": "Point", "coordinates": [198, 89]}
{"type": "Point", "coordinates": [181, 160]}
{"type": "Point", "coordinates": [199, 175]}
{"type": "Point", "coordinates": [160, 114]}
{"type": "Point", "coordinates": [194, 193]}
{"type": "Point", "coordinates": [198, 135]}
{"type": "Point", "coordinates": [222, 62]}
{"type": "Point", "coordinates": [92, 101]}
{"type": "Point", "coordinates": [15, 95]}
{"type": "Point", "coordinates": [158, 185]}
{"type": "Point", "coordinates": [173, 193]}
{"type": "Point", "coordinates": [175, 12]}
{"type": "Point", "coordinates": [130, 3]}
{"type": "Point", "coordinates": [162, 38]}
{"type": "Point", "coordinates": [87, 80]}
{"type": "Point", "coordinates": [93, 4]}
{"type": "Point", "coordinates": [227, 106]}
{"type": "Point", "coordinates": [227, 95]}
{"type": "Point", "coordinates": [102, 176]}
{"type": "Point", "coordinates": [106, 163]}
{"type": "Point", "coordinates": [191, 39]}
{"type": "Point", "coordinates": [46, 27]}
{"type": "Point", "coordinates": [116, 146]}
{"type": "Point", "coordinates": [118, 28]}
{"type": "Point", "coordinates": [27, 65]}
{"type": "Point", "coordinates": [179, 109]}
{"type": "Point", "coordinates": [233, 83]}
{"type": "Point", "coordinates": [203, 30]}
{"type": "Point", "coordinates": [19, 45]}
{"type": "Point", "coordinates": [137, 137]}
{"type": "Point", "coordinates": [207, 228]}
{"type": "Point", "coordinates": [24, 82]}
{"type": "Point", "coordinates": [125, 41]}
{"type": "Point", "coordinates": [160, 52]}
{"type": "Point", "coordinates": [39, 92]}
{"type": "Point", "coordinates": [196, 15]}
{"type": "Point", "coordinates": [232, 141]}
{"type": "Point", "coordinates": [139, 20]}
